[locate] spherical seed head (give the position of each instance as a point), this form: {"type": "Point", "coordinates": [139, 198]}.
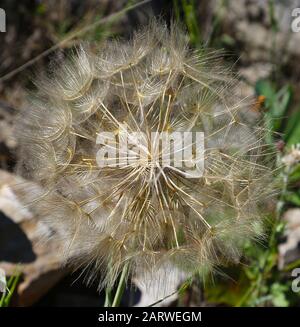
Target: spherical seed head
{"type": "Point", "coordinates": [145, 212]}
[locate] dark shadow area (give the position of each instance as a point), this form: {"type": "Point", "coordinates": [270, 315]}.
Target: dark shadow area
{"type": "Point", "coordinates": [14, 245]}
{"type": "Point", "coordinates": [73, 292]}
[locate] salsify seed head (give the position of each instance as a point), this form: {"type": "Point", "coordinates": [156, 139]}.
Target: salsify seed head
{"type": "Point", "coordinates": [143, 214]}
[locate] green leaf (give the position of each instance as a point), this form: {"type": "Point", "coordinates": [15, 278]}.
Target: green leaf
{"type": "Point", "coordinates": [278, 295]}
{"type": "Point", "coordinates": [11, 286]}
{"type": "Point", "coordinates": [266, 89]}
{"type": "Point", "coordinates": [294, 176]}
{"type": "Point", "coordinates": [282, 101]}
{"type": "Point", "coordinates": [293, 198]}
{"type": "Point", "coordinates": [276, 103]}
{"type": "Point", "coordinates": [229, 291]}
{"type": "Point", "coordinates": [292, 130]}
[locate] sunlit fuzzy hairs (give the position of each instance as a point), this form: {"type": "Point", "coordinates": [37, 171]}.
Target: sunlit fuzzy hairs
{"type": "Point", "coordinates": [144, 216]}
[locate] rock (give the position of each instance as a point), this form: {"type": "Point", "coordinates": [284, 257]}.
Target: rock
{"type": "Point", "coordinates": [2, 281]}
{"type": "Point", "coordinates": [259, 38]}
{"type": "Point", "coordinates": [21, 248]}
{"type": "Point", "coordinates": [255, 72]}
{"type": "Point", "coordinates": [162, 289]}
{"type": "Point", "coordinates": [289, 251]}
